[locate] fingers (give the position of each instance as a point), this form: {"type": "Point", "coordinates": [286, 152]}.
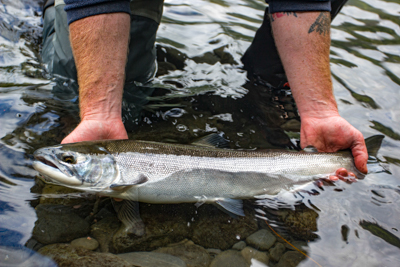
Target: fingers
{"type": "Point", "coordinates": [344, 175]}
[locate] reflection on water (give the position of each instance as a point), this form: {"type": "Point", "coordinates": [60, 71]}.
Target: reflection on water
{"type": "Point", "coordinates": [201, 88]}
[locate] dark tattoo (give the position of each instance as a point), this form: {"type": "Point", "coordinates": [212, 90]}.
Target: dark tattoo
{"type": "Point", "coordinates": [278, 15]}
{"type": "Point", "coordinates": [322, 24]}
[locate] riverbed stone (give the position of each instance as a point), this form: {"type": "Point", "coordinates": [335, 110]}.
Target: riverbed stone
{"type": "Point", "coordinates": [192, 254]}
{"type": "Point", "coordinates": [58, 224]}
{"type": "Point", "coordinates": [213, 251]}
{"type": "Point", "coordinates": [86, 243]}
{"type": "Point", "coordinates": [290, 259]}
{"type": "Point", "coordinates": [297, 244]}
{"type": "Point", "coordinates": [229, 258]}
{"type": "Point", "coordinates": [164, 224]}
{"type": "Point", "coordinates": [50, 190]}
{"type": "Point", "coordinates": [301, 223]}
{"type": "Point", "coordinates": [215, 229]}
{"type": "Point", "coordinates": [277, 251]}
{"type": "Point", "coordinates": [152, 259]}
{"type": "Point", "coordinates": [262, 239]}
{"type": "Point", "coordinates": [239, 245]}
{"type": "Point", "coordinates": [66, 255]}
{"type": "Point", "coordinates": [250, 253]}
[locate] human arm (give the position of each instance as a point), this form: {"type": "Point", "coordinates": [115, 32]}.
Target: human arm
{"type": "Point", "coordinates": [303, 43]}
{"type": "Point", "coordinates": [100, 46]}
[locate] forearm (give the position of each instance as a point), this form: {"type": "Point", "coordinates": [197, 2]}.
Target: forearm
{"type": "Point", "coordinates": [100, 46]}
{"type": "Point", "coordinates": [303, 43]}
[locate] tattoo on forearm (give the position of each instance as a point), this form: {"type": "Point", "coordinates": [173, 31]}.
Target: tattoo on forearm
{"type": "Point", "coordinates": [278, 15]}
{"type": "Point", "coordinates": [322, 24]}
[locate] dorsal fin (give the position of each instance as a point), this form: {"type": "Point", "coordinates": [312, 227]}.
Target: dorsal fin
{"type": "Point", "coordinates": [310, 149]}
{"type": "Point", "coordinates": [373, 144]}
{"type": "Point", "coordinates": [212, 140]}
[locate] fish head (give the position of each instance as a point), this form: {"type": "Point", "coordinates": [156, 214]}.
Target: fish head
{"type": "Point", "coordinates": [79, 165]}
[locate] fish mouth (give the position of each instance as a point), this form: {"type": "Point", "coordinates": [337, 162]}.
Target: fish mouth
{"type": "Point", "coordinates": [46, 167]}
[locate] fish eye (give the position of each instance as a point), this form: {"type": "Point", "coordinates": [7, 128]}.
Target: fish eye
{"type": "Point", "coordinates": [68, 159]}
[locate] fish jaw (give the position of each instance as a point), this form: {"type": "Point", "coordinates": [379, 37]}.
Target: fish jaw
{"type": "Point", "coordinates": [46, 164]}
{"type": "Point", "coordinates": [55, 174]}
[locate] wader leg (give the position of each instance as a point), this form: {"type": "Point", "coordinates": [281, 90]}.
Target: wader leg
{"type": "Point", "coordinates": [262, 60]}
{"type": "Point", "coordinates": [141, 62]}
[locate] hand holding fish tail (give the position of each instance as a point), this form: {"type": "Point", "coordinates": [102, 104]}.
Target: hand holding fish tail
{"type": "Point", "coordinates": [90, 130]}
{"type": "Point", "coordinates": [333, 133]}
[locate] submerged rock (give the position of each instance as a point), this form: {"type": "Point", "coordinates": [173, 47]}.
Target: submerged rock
{"type": "Point", "coordinates": [68, 256]}
{"type": "Point", "coordinates": [262, 239]}
{"type": "Point", "coordinates": [215, 229]}
{"type": "Point", "coordinates": [301, 223]}
{"type": "Point", "coordinates": [85, 243]}
{"type": "Point", "coordinates": [166, 224]}
{"type": "Point", "coordinates": [152, 259]}
{"type": "Point", "coordinates": [290, 259]}
{"type": "Point", "coordinates": [229, 258]}
{"type": "Point", "coordinates": [250, 253]}
{"type": "Point", "coordinates": [69, 196]}
{"type": "Point", "coordinates": [58, 224]}
{"type": "Point", "coordinates": [192, 254]}
{"type": "Point", "coordinates": [239, 245]}
{"type": "Point", "coordinates": [277, 251]}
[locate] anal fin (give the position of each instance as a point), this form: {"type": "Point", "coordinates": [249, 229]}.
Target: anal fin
{"type": "Point", "coordinates": [233, 207]}
{"type": "Point", "coordinates": [128, 214]}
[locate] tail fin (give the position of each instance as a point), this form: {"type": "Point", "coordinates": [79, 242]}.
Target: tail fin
{"type": "Point", "coordinates": [373, 144]}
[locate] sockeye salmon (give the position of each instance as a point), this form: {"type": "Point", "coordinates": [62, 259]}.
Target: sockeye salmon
{"type": "Point", "coordinates": [155, 172]}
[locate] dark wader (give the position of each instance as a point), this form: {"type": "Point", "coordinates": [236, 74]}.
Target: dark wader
{"type": "Point", "coordinates": [141, 65]}
{"type": "Point", "coordinates": [261, 59]}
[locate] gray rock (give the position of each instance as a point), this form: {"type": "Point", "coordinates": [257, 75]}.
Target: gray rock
{"type": "Point", "coordinates": [103, 231]}
{"type": "Point", "coordinates": [167, 224]}
{"type": "Point", "coordinates": [290, 259]}
{"type": "Point", "coordinates": [164, 224]}
{"type": "Point", "coordinates": [262, 239]}
{"type": "Point", "coordinates": [68, 256]}
{"type": "Point", "coordinates": [277, 251]}
{"type": "Point", "coordinates": [50, 189]}
{"type": "Point", "coordinates": [152, 259]}
{"type": "Point", "coordinates": [192, 254]}
{"type": "Point", "coordinates": [215, 229]}
{"type": "Point", "coordinates": [239, 245]}
{"type": "Point", "coordinates": [229, 258]}
{"type": "Point", "coordinates": [213, 251]}
{"type": "Point", "coordinates": [301, 223]}
{"type": "Point", "coordinates": [58, 224]}
{"type": "Point", "coordinates": [86, 243]}
{"type": "Point", "coordinates": [301, 245]}
{"type": "Point", "coordinates": [250, 253]}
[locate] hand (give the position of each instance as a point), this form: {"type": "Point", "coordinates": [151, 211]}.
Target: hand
{"type": "Point", "coordinates": [333, 133]}
{"type": "Point", "coordinates": [90, 130]}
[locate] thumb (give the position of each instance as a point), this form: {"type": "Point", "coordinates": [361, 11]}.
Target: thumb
{"type": "Point", "coordinates": [360, 155]}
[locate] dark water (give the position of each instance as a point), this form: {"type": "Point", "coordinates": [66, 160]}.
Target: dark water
{"type": "Point", "coordinates": [357, 224]}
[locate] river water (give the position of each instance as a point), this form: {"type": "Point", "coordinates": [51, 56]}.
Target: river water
{"type": "Point", "coordinates": [204, 90]}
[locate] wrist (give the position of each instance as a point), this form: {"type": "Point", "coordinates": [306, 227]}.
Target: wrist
{"type": "Point", "coordinates": [101, 103]}
{"type": "Point", "coordinates": [318, 113]}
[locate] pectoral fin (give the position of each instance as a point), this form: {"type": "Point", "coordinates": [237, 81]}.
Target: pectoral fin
{"type": "Point", "coordinates": [128, 214]}
{"type": "Point", "coordinates": [141, 179]}
{"type": "Point", "coordinates": [233, 207]}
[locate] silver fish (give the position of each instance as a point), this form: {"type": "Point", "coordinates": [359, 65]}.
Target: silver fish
{"type": "Point", "coordinates": [154, 172]}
